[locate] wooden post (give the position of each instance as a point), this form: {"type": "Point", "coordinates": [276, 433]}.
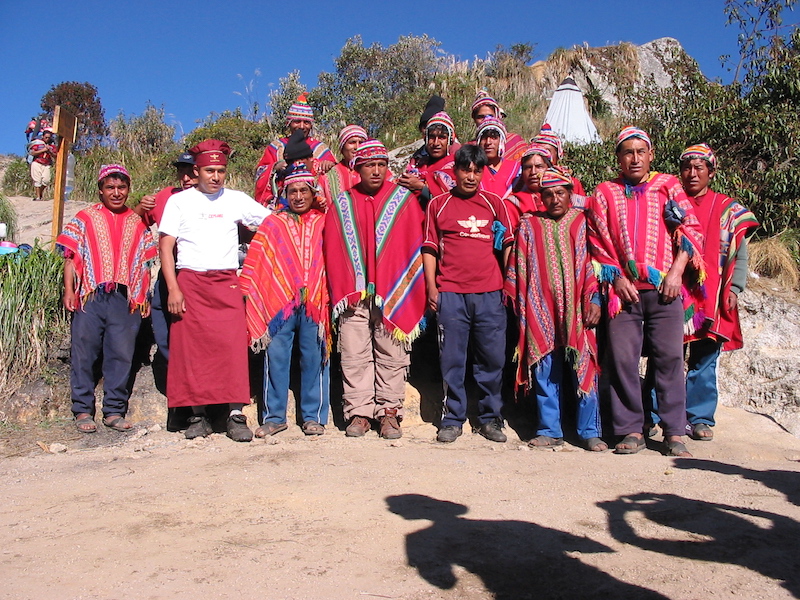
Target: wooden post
{"type": "Point", "coordinates": [65, 125]}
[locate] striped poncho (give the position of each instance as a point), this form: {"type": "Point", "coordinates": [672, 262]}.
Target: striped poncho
{"type": "Point", "coordinates": [550, 282]}
{"type": "Point", "coordinates": [110, 248]}
{"type": "Point", "coordinates": [372, 252]}
{"type": "Point", "coordinates": [636, 231]}
{"type": "Point", "coordinates": [284, 271]}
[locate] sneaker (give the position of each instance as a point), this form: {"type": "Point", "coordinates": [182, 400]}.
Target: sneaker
{"type": "Point", "coordinates": [390, 426]}
{"type": "Point", "coordinates": [238, 430]}
{"type": "Point", "coordinates": [493, 431]}
{"type": "Point", "coordinates": [198, 427]}
{"type": "Point", "coordinates": [358, 427]}
{"type": "Point", "coordinates": [448, 434]}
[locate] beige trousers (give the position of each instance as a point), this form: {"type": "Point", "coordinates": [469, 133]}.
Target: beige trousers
{"type": "Point", "coordinates": [374, 364]}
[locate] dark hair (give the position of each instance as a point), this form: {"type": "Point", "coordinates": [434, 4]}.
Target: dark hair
{"type": "Point", "coordinates": [438, 129]}
{"type": "Point", "coordinates": [470, 154]}
{"type": "Point", "coordinates": [116, 175]}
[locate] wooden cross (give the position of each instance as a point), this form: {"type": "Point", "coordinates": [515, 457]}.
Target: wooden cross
{"type": "Point", "coordinates": [65, 125]}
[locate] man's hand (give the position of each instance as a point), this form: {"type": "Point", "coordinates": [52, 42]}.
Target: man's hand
{"type": "Point", "coordinates": [433, 299]}
{"type": "Point", "coordinates": [148, 202]}
{"type": "Point", "coordinates": [731, 301]}
{"type": "Point", "coordinates": [69, 300]}
{"type": "Point", "coordinates": [323, 166]}
{"type": "Point", "coordinates": [625, 289]}
{"type": "Point", "coordinates": [175, 302]}
{"type": "Point", "coordinates": [592, 316]}
{"type": "Point", "coordinates": [410, 182]}
{"type": "Point", "coordinates": [670, 288]}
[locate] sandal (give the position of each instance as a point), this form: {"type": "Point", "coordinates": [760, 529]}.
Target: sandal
{"type": "Point", "coordinates": [313, 428]}
{"type": "Point", "coordinates": [702, 432]}
{"type": "Point", "coordinates": [117, 423]}
{"type": "Point", "coordinates": [595, 444]}
{"type": "Point", "coordinates": [269, 428]}
{"type": "Point", "coordinates": [677, 449]}
{"type": "Point", "coordinates": [630, 444]}
{"type": "Point", "coordinates": [85, 423]}
{"type": "Point", "coordinates": [544, 441]}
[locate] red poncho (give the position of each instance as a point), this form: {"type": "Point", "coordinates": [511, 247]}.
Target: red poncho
{"type": "Point", "coordinates": [284, 270]}
{"type": "Point", "coordinates": [107, 247]}
{"type": "Point", "coordinates": [550, 282]}
{"type": "Point", "coordinates": [725, 224]}
{"type": "Point", "coordinates": [372, 251]}
{"type": "Point", "coordinates": [339, 179]}
{"type": "Point", "coordinates": [499, 182]}
{"type": "Point", "coordinates": [273, 154]}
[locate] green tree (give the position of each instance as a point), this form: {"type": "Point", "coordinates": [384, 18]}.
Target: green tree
{"type": "Point", "coordinates": [143, 134]}
{"type": "Point", "coordinates": [80, 99]}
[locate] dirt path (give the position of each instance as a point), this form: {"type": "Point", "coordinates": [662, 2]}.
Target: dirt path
{"type": "Point", "coordinates": [35, 218]}
{"type": "Point", "coordinates": [151, 515]}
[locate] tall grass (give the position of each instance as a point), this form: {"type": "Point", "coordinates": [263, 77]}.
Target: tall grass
{"type": "Point", "coordinates": [31, 315]}
{"type": "Point", "coordinates": [17, 178]}
{"type": "Point", "coordinates": [8, 216]}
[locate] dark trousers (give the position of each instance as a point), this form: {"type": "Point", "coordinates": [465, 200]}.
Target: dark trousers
{"type": "Point", "coordinates": [480, 318]}
{"type": "Point", "coordinates": [662, 326]}
{"type": "Point", "coordinates": [103, 327]}
{"type": "Point", "coordinates": [160, 316]}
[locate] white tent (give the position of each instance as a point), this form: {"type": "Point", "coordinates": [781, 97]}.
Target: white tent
{"type": "Point", "coordinates": [568, 116]}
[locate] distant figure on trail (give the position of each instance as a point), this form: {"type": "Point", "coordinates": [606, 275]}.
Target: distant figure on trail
{"type": "Point", "coordinates": [108, 251]}
{"type": "Point", "coordinates": [300, 117]}
{"type": "Point", "coordinates": [42, 151]}
{"type": "Point", "coordinates": [208, 361]}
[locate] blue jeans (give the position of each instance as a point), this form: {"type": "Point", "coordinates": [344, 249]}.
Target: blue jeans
{"type": "Point", "coordinates": [549, 373]}
{"type": "Point", "coordinates": [103, 327]}
{"type": "Point", "coordinates": [481, 319]}
{"type": "Point", "coordinates": [314, 375]}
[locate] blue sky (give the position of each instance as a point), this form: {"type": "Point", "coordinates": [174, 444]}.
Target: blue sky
{"type": "Point", "coordinates": [186, 55]}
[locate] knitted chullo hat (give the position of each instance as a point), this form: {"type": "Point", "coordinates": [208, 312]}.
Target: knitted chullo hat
{"type": "Point", "coordinates": [492, 124]}
{"type": "Point", "coordinates": [554, 176]}
{"type": "Point", "coordinates": [113, 169]}
{"type": "Point", "coordinates": [483, 98]}
{"type": "Point", "coordinates": [630, 133]}
{"type": "Point", "coordinates": [434, 105]}
{"type": "Point", "coordinates": [297, 147]}
{"type": "Point", "coordinates": [538, 150]}
{"type": "Point", "coordinates": [549, 137]}
{"type": "Point", "coordinates": [441, 119]}
{"type": "Point", "coordinates": [703, 151]}
{"type": "Point", "coordinates": [300, 110]}
{"type": "Point", "coordinates": [369, 150]}
{"type": "Point", "coordinates": [349, 133]}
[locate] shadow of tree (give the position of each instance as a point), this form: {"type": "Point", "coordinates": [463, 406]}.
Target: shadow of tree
{"type": "Point", "coordinates": [514, 559]}
{"type": "Point", "coordinates": [731, 535]}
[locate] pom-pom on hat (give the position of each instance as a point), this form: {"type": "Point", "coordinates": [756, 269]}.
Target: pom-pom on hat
{"type": "Point", "coordinates": [297, 147]}
{"type": "Point", "coordinates": [549, 137]}
{"type": "Point", "coordinates": [369, 150]}
{"type": "Point", "coordinates": [630, 133]}
{"type": "Point", "coordinates": [112, 169]}
{"type": "Point", "coordinates": [703, 151]}
{"type": "Point", "coordinates": [210, 152]}
{"type": "Point", "coordinates": [349, 132]}
{"type": "Point", "coordinates": [441, 119]}
{"type": "Point", "coordinates": [553, 177]}
{"type": "Point", "coordinates": [300, 110]}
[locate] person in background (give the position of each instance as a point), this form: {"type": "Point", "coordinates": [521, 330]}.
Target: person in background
{"type": "Point", "coordinates": [42, 151]}
{"type": "Point", "coordinates": [485, 106]}
{"type": "Point", "coordinates": [342, 176]}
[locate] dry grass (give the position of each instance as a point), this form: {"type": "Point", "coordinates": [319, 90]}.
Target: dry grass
{"type": "Point", "coordinates": [773, 257]}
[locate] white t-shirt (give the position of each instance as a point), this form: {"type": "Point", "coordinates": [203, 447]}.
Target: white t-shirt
{"type": "Point", "coordinates": [205, 226]}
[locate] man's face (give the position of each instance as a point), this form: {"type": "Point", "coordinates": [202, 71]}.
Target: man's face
{"type": "Point", "coordinates": [186, 176]}
{"type": "Point", "coordinates": [556, 200]}
{"type": "Point", "coordinates": [114, 193]}
{"type": "Point", "coordinates": [296, 124]}
{"type": "Point", "coordinates": [468, 180]}
{"type": "Point", "coordinates": [373, 174]}
{"type": "Point", "coordinates": [634, 157]}
{"type": "Point", "coordinates": [349, 148]}
{"type": "Point", "coordinates": [211, 178]}
{"type": "Point", "coordinates": [438, 140]}
{"type": "Point", "coordinates": [47, 137]}
{"type": "Point", "coordinates": [696, 174]}
{"type": "Point", "coordinates": [490, 142]}
{"type": "Point", "coordinates": [532, 169]}
{"type": "Point", "coordinates": [482, 112]}
{"type": "Point", "coordinates": [300, 196]}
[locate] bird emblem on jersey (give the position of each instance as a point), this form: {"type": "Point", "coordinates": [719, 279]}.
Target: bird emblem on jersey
{"type": "Point", "coordinates": [473, 224]}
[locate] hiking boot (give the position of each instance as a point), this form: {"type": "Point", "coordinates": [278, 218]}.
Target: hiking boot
{"type": "Point", "coordinates": [358, 427]}
{"type": "Point", "coordinates": [493, 431]}
{"type": "Point", "coordinates": [448, 434]}
{"type": "Point", "coordinates": [238, 430]}
{"type": "Point", "coordinates": [390, 426]}
{"type": "Point", "coordinates": [198, 427]}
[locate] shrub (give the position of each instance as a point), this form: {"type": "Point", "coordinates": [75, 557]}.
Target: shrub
{"type": "Point", "coordinates": [8, 216]}
{"type": "Point", "coordinates": [17, 178]}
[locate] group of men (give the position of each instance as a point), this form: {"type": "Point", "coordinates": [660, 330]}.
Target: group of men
{"type": "Point", "coordinates": [346, 251]}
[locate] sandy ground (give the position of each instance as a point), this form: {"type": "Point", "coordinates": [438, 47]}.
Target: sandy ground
{"type": "Point", "coordinates": [35, 218]}
{"type": "Point", "coordinates": [151, 515]}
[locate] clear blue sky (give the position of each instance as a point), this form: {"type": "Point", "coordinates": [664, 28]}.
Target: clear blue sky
{"type": "Point", "coordinates": [186, 55]}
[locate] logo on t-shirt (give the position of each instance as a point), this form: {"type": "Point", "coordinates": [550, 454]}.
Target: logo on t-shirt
{"type": "Point", "coordinates": [474, 226]}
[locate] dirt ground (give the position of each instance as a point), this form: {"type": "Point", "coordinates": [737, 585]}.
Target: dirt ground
{"type": "Point", "coordinates": [34, 218]}
{"type": "Point", "coordinates": [150, 515]}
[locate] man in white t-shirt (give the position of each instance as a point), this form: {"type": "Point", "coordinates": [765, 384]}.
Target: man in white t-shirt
{"type": "Point", "coordinates": [208, 339]}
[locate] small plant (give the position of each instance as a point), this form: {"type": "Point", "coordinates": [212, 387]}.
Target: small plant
{"type": "Point", "coordinates": [17, 178]}
{"type": "Point", "coordinates": [8, 216]}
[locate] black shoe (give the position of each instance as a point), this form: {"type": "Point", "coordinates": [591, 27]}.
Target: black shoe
{"type": "Point", "coordinates": [238, 430]}
{"type": "Point", "coordinates": [493, 430]}
{"type": "Point", "coordinates": [198, 427]}
{"type": "Point", "coordinates": [448, 434]}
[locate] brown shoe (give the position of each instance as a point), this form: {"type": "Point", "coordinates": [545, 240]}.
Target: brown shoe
{"type": "Point", "coordinates": [358, 427]}
{"type": "Point", "coordinates": [390, 426]}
